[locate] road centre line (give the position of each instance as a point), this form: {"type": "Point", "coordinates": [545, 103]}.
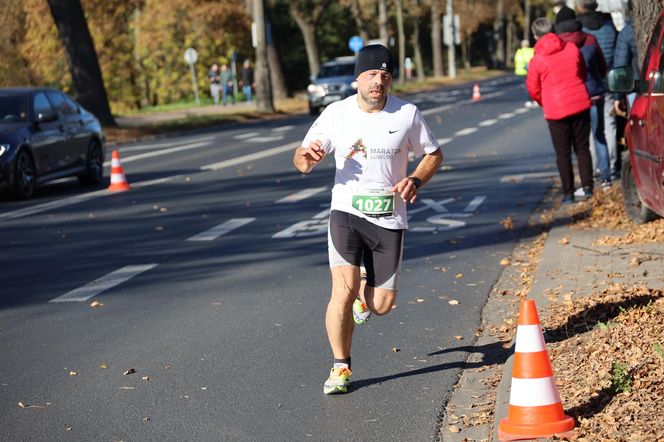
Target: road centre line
{"type": "Point", "coordinates": [251, 157]}
{"type": "Point", "coordinates": [299, 196]}
{"type": "Point", "coordinates": [104, 283]}
{"type": "Point", "coordinates": [247, 135]}
{"type": "Point", "coordinates": [283, 128]}
{"type": "Point", "coordinates": [447, 107]}
{"type": "Point", "coordinates": [221, 229]}
{"type": "Point", "coordinates": [466, 131]}
{"type": "Point", "coordinates": [161, 145]}
{"type": "Point", "coordinates": [487, 123]}
{"type": "Point", "coordinates": [506, 116]}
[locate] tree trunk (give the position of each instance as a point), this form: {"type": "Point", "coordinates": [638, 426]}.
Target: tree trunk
{"type": "Point", "coordinates": [526, 20]}
{"type": "Point", "coordinates": [361, 25]}
{"type": "Point", "coordinates": [382, 23]}
{"type": "Point", "coordinates": [645, 13]}
{"type": "Point", "coordinates": [309, 33]}
{"type": "Point", "coordinates": [279, 89]}
{"type": "Point", "coordinates": [264, 101]}
{"type": "Point", "coordinates": [402, 40]}
{"type": "Point", "coordinates": [82, 58]}
{"type": "Point", "coordinates": [415, 41]}
{"type": "Point", "coordinates": [436, 43]}
{"type": "Point", "coordinates": [499, 34]}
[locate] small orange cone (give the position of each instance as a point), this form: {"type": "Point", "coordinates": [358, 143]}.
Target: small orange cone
{"type": "Point", "coordinates": [476, 92]}
{"type": "Point", "coordinates": [535, 410]}
{"type": "Point", "coordinates": [118, 180]}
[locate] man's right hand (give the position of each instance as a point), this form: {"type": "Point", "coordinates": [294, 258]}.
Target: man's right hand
{"type": "Point", "coordinates": [307, 157]}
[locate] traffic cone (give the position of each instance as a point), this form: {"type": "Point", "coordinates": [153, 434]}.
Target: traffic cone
{"type": "Point", "coordinates": [534, 410]}
{"type": "Point", "coordinates": [118, 180]}
{"type": "Point", "coordinates": [476, 92]}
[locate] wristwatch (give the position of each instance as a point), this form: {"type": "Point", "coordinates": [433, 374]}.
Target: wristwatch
{"type": "Point", "coordinates": [415, 180]}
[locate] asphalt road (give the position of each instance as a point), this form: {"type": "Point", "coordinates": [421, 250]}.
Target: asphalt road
{"type": "Point", "coordinates": [213, 276]}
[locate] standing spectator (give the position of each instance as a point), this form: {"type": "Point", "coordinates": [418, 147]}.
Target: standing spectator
{"type": "Point", "coordinates": [214, 79]}
{"type": "Point", "coordinates": [569, 29]}
{"type": "Point", "coordinates": [600, 25]}
{"type": "Point", "coordinates": [247, 73]}
{"type": "Point", "coordinates": [556, 80]}
{"type": "Point", "coordinates": [626, 55]}
{"type": "Point", "coordinates": [226, 84]}
{"type": "Point", "coordinates": [522, 57]}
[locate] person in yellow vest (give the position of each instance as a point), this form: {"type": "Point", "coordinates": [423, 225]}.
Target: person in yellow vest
{"type": "Point", "coordinates": [521, 60]}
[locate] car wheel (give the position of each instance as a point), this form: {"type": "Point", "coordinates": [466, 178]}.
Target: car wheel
{"type": "Point", "coordinates": [94, 165]}
{"type": "Point", "coordinates": [638, 212]}
{"type": "Point", "coordinates": [24, 175]}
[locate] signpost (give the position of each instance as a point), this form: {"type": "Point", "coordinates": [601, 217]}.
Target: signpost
{"type": "Point", "coordinates": [355, 43]}
{"type": "Point", "coordinates": [190, 56]}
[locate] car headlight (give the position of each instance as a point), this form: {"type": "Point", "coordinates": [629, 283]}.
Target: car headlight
{"type": "Point", "coordinates": [315, 89]}
{"type": "Point", "coordinates": [354, 85]}
{"type": "Point", "coordinates": [4, 148]}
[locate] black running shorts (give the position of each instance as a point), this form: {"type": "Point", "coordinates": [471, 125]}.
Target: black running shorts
{"type": "Point", "coordinates": [355, 241]}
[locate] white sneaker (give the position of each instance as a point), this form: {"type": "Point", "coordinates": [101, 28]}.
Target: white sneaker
{"type": "Point", "coordinates": [528, 104]}
{"type": "Point", "coordinates": [361, 312]}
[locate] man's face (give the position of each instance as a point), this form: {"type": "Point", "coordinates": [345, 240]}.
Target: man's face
{"type": "Point", "coordinates": [373, 85]}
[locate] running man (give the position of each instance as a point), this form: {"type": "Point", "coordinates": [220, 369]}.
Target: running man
{"type": "Point", "coordinates": [370, 134]}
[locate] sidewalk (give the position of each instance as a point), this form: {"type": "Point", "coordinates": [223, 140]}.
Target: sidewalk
{"type": "Point", "coordinates": [573, 266]}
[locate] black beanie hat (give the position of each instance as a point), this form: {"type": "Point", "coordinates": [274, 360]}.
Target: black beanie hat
{"type": "Point", "coordinates": [374, 57]}
{"type": "Point", "coordinates": [565, 14]}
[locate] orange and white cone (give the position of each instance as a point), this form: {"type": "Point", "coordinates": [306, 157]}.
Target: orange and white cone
{"type": "Point", "coordinates": [535, 410]}
{"type": "Point", "coordinates": [477, 96]}
{"type": "Point", "coordinates": [118, 180]}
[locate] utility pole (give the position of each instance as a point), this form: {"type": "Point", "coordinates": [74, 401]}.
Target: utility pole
{"type": "Point", "coordinates": [451, 62]}
{"type": "Point", "coordinates": [264, 102]}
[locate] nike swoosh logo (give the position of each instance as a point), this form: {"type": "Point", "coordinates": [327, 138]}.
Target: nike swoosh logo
{"type": "Point", "coordinates": [392, 131]}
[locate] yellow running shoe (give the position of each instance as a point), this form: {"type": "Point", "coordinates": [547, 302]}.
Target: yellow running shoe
{"type": "Point", "coordinates": [338, 381]}
{"type": "Point", "coordinates": [361, 312]}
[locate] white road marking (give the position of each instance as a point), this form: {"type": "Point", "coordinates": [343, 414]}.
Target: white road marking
{"type": "Point", "coordinates": [162, 145]}
{"type": "Point", "coordinates": [160, 152]}
{"type": "Point", "coordinates": [487, 123]}
{"type": "Point", "coordinates": [520, 177]}
{"type": "Point", "coordinates": [447, 107]}
{"type": "Point", "coordinates": [521, 110]}
{"type": "Point", "coordinates": [283, 128]}
{"type": "Point", "coordinates": [506, 116]}
{"type": "Point", "coordinates": [299, 196]}
{"type": "Point", "coordinates": [466, 131]}
{"type": "Point", "coordinates": [221, 229]}
{"type": "Point", "coordinates": [442, 141]}
{"type": "Point", "coordinates": [265, 139]}
{"type": "Point", "coordinates": [104, 283]}
{"type": "Point", "coordinates": [247, 135]}
{"type": "Point", "coordinates": [474, 204]}
{"type": "Point", "coordinates": [251, 157]}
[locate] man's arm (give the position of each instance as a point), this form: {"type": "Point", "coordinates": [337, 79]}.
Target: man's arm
{"type": "Point", "coordinates": [429, 165]}
{"type": "Point", "coordinates": [305, 158]}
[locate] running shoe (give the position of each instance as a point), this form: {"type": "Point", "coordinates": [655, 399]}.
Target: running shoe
{"type": "Point", "coordinates": [606, 185]}
{"type": "Point", "coordinates": [361, 312]}
{"type": "Point", "coordinates": [338, 382]}
{"type": "Point", "coordinates": [583, 193]}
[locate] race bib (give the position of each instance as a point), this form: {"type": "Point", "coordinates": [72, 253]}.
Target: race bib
{"type": "Point", "coordinates": [374, 203]}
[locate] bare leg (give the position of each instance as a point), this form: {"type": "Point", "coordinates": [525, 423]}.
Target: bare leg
{"type": "Point", "coordinates": [339, 316]}
{"type": "Point", "coordinates": [379, 301]}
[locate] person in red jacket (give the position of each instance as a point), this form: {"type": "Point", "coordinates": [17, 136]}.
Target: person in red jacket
{"type": "Point", "coordinates": [556, 81]}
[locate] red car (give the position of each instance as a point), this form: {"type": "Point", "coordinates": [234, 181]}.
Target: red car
{"type": "Point", "coordinates": [643, 168]}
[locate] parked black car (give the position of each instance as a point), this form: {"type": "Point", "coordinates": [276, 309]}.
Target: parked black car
{"type": "Point", "coordinates": [44, 135]}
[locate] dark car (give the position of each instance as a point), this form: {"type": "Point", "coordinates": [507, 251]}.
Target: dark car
{"type": "Point", "coordinates": [643, 164]}
{"type": "Point", "coordinates": [335, 81]}
{"type": "Point", "coordinates": [44, 135]}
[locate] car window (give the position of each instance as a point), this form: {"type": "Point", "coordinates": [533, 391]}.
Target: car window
{"type": "Point", "coordinates": [336, 70]}
{"type": "Point", "coordinates": [59, 103]}
{"type": "Point", "coordinates": [13, 108]}
{"type": "Point", "coordinates": [72, 104]}
{"type": "Point", "coordinates": [42, 105]}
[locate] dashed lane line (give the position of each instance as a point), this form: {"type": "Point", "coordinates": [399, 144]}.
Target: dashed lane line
{"type": "Point", "coordinates": [304, 194]}
{"type": "Point", "coordinates": [104, 283]}
{"type": "Point", "coordinates": [466, 131]}
{"type": "Point", "coordinates": [487, 123]}
{"type": "Point", "coordinates": [221, 229]}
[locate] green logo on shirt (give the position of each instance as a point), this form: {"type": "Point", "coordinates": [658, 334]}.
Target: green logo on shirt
{"type": "Point", "coordinates": [357, 148]}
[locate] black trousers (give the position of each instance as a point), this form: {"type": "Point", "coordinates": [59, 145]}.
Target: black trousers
{"type": "Point", "coordinates": [572, 131]}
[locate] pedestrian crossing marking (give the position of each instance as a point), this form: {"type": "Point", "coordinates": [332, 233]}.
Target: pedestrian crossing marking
{"type": "Point", "coordinates": [104, 283]}
{"type": "Point", "coordinates": [304, 194]}
{"type": "Point", "coordinates": [221, 229]}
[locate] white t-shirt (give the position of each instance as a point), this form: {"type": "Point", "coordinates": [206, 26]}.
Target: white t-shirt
{"type": "Point", "coordinates": [371, 151]}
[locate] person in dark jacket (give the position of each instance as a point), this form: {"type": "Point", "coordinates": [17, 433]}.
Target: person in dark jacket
{"type": "Point", "coordinates": [556, 80]}
{"type": "Point", "coordinates": [568, 29]}
{"type": "Point", "coordinates": [600, 25]}
{"type": "Point", "coordinates": [626, 55]}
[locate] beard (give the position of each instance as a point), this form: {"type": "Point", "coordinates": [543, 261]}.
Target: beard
{"type": "Point", "coordinates": [374, 102]}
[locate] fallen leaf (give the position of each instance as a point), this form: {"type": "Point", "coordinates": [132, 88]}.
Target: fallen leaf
{"type": "Point", "coordinates": [565, 241]}
{"type": "Point", "coordinates": [73, 373]}
{"type": "Point", "coordinates": [146, 378]}
{"type": "Point", "coordinates": [204, 388]}
{"type": "Point", "coordinates": [505, 262]}
{"type": "Point", "coordinates": [454, 429]}
{"type": "Point", "coordinates": [453, 302]}
{"type": "Point", "coordinates": [420, 300]}
{"type": "Point", "coordinates": [396, 349]}
{"type": "Point", "coordinates": [95, 304]}
{"type": "Point", "coordinates": [458, 338]}
{"type": "Point", "coordinates": [458, 275]}
{"type": "Point", "coordinates": [130, 371]}
{"type": "Point", "coordinates": [104, 366]}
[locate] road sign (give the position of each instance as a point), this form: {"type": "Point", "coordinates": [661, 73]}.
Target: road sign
{"type": "Point", "coordinates": [451, 30]}
{"type": "Point", "coordinates": [355, 43]}
{"type": "Point", "coordinates": [190, 55]}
